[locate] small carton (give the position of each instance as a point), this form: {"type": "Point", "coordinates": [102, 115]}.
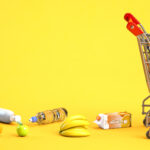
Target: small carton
{"type": "Point", "coordinates": [113, 120]}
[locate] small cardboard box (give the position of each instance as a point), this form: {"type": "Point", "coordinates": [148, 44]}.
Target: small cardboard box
{"type": "Point", "coordinates": [114, 120]}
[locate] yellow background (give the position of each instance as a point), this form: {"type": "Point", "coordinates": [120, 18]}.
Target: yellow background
{"type": "Point", "coordinates": [73, 54]}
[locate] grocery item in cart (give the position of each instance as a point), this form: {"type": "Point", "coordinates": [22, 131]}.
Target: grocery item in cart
{"type": "Point", "coordinates": [113, 120]}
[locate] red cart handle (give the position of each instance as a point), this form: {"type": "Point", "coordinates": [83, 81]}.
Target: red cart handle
{"type": "Point", "coordinates": [133, 28]}
{"type": "Point", "coordinates": [130, 18]}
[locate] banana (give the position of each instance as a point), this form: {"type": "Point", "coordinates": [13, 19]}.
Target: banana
{"type": "Point", "coordinates": [75, 132]}
{"type": "Point", "coordinates": [75, 126]}
{"type": "Point", "coordinates": [76, 117]}
{"type": "Point", "coordinates": [74, 123]}
{"type": "Point", "coordinates": [86, 127]}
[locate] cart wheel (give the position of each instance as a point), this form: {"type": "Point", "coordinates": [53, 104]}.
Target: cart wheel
{"type": "Point", "coordinates": [148, 134]}
{"type": "Point", "coordinates": [144, 121]}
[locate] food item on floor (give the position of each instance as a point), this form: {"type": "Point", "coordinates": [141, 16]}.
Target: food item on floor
{"type": "Point", "coordinates": [22, 130]}
{"type": "Point", "coordinates": [75, 132]}
{"type": "Point", "coordinates": [113, 120]}
{"type": "Point", "coordinates": [77, 117]}
{"type": "Point", "coordinates": [75, 126]}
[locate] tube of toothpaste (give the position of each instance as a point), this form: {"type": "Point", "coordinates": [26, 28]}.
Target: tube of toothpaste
{"type": "Point", "coordinates": [8, 116]}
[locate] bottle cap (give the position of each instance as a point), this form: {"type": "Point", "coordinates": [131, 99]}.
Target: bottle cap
{"type": "Point", "coordinates": [16, 118]}
{"type": "Point", "coordinates": [33, 119]}
{"type": "Point", "coordinates": [98, 118]}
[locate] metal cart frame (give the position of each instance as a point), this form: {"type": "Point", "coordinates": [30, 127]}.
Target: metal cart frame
{"type": "Point", "coordinates": [135, 27]}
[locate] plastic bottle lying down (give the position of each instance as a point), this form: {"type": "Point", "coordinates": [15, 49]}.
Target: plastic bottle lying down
{"type": "Point", "coordinates": [8, 116]}
{"type": "Point", "coordinates": [50, 116]}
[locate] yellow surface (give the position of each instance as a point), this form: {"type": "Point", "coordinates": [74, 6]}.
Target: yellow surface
{"type": "Point", "coordinates": [76, 54]}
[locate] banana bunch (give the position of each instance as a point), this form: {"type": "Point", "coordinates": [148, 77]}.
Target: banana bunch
{"type": "Point", "coordinates": [75, 126]}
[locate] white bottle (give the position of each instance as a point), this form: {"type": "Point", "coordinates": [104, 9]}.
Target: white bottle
{"type": "Point", "coordinates": [8, 116]}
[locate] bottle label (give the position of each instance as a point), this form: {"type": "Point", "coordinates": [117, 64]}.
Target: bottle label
{"type": "Point", "coordinates": [42, 116]}
{"type": "Point", "coordinates": [58, 115]}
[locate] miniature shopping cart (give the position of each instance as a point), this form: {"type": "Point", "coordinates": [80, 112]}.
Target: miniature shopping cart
{"type": "Point", "coordinates": [135, 27]}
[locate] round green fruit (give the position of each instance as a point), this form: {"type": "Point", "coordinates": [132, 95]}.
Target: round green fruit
{"type": "Point", "coordinates": [22, 130]}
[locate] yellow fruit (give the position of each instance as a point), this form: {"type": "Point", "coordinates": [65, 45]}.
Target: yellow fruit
{"type": "Point", "coordinates": [74, 123]}
{"type": "Point", "coordinates": [75, 132]}
{"type": "Point", "coordinates": [76, 117]}
{"type": "Point", "coordinates": [86, 127]}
